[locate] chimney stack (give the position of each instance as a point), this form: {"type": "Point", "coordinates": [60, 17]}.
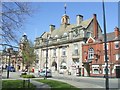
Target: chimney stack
{"type": "Point", "coordinates": [117, 32]}
{"type": "Point", "coordinates": [52, 27]}
{"type": "Point", "coordinates": [95, 26]}
{"type": "Point", "coordinates": [79, 19]}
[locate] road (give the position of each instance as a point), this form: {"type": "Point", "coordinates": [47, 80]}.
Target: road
{"type": "Point", "coordinates": [80, 82]}
{"type": "Point", "coordinates": [88, 82]}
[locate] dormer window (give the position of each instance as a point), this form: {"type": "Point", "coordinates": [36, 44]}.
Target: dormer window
{"type": "Point", "coordinates": [88, 34]}
{"type": "Point", "coordinates": [75, 33]}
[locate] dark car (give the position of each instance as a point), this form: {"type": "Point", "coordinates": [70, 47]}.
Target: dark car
{"type": "Point", "coordinates": [11, 68]}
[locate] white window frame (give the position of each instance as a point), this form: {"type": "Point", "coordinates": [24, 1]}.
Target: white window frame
{"type": "Point", "coordinates": [91, 53]}
{"type": "Point", "coordinates": [76, 49]}
{"type": "Point", "coordinates": [105, 72]}
{"type": "Point", "coordinates": [95, 72]}
{"type": "Point", "coordinates": [107, 58]}
{"type": "Point", "coordinates": [63, 51]}
{"type": "Point", "coordinates": [54, 52]}
{"type": "Point", "coordinates": [107, 44]}
{"type": "Point", "coordinates": [95, 67]}
{"type": "Point", "coordinates": [117, 56]}
{"type": "Point", "coordinates": [116, 43]}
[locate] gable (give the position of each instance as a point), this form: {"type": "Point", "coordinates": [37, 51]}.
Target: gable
{"type": "Point", "coordinates": [90, 40]}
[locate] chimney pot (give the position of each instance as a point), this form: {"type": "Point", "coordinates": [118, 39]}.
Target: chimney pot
{"type": "Point", "coordinates": [117, 32]}
{"type": "Point", "coordinates": [52, 27]}
{"type": "Point", "coordinates": [79, 19]}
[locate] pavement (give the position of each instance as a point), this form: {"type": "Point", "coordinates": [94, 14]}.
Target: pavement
{"type": "Point", "coordinates": [40, 85]}
{"type": "Point", "coordinates": [79, 82]}
{"type": "Point", "coordinates": [88, 83]}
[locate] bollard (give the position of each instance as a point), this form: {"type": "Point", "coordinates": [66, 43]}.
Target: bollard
{"type": "Point", "coordinates": [23, 83]}
{"type": "Point", "coordinates": [28, 83]}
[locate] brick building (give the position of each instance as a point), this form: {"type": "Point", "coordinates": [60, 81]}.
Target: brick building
{"type": "Point", "coordinates": [93, 55]}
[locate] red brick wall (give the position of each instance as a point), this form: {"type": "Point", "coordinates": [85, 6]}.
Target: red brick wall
{"type": "Point", "coordinates": [99, 49]}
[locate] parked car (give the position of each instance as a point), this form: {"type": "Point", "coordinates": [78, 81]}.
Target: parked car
{"type": "Point", "coordinates": [43, 73]}
{"type": "Point", "coordinates": [11, 68]}
{"type": "Point", "coordinates": [23, 73]}
{"type": "Point", "coordinates": [61, 71]}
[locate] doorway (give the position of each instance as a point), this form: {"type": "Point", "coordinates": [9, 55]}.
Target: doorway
{"type": "Point", "coordinates": [117, 71]}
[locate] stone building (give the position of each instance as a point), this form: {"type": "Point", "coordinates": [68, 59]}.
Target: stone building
{"type": "Point", "coordinates": [93, 55]}
{"type": "Point", "coordinates": [20, 59]}
{"type": "Point", "coordinates": [62, 47]}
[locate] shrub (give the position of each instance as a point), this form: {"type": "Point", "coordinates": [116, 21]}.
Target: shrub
{"type": "Point", "coordinates": [28, 76]}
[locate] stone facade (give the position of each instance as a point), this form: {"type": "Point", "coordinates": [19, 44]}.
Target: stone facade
{"type": "Point", "coordinates": [62, 47]}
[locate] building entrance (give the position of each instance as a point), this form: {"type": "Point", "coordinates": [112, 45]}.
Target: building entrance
{"type": "Point", "coordinates": [117, 71]}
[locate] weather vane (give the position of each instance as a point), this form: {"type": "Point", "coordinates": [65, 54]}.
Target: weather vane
{"type": "Point", "coordinates": [65, 6]}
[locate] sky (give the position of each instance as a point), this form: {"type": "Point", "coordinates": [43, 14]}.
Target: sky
{"type": "Point", "coordinates": [46, 13]}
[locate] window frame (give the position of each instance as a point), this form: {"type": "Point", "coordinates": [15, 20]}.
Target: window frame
{"type": "Point", "coordinates": [107, 44]}
{"type": "Point", "coordinates": [76, 49]}
{"type": "Point", "coordinates": [90, 53]}
{"type": "Point", "coordinates": [54, 52]}
{"type": "Point", "coordinates": [117, 42]}
{"type": "Point", "coordinates": [107, 57]}
{"type": "Point", "coordinates": [94, 71]}
{"type": "Point", "coordinates": [63, 51]}
{"type": "Point", "coordinates": [117, 56]}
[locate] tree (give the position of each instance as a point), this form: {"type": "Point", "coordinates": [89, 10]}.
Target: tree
{"type": "Point", "coordinates": [28, 54]}
{"type": "Point", "coordinates": [13, 15]}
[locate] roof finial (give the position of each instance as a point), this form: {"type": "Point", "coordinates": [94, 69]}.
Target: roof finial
{"type": "Point", "coordinates": [65, 6]}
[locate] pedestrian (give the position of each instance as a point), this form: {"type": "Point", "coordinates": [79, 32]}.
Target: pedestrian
{"type": "Point", "coordinates": [33, 70]}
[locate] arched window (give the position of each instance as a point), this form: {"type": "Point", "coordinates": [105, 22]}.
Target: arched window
{"type": "Point", "coordinates": [91, 53]}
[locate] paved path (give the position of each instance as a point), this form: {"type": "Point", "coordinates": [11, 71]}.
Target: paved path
{"type": "Point", "coordinates": [40, 85]}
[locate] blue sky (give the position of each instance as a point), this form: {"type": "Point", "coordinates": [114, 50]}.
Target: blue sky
{"type": "Point", "coordinates": [47, 13]}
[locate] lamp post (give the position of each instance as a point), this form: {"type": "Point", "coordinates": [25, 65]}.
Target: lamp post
{"type": "Point", "coordinates": [105, 40]}
{"type": "Point", "coordinates": [10, 52]}
{"type": "Point", "coordinates": [46, 57]}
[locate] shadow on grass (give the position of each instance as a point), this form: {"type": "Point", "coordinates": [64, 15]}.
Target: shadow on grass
{"type": "Point", "coordinates": [57, 85]}
{"type": "Point", "coordinates": [16, 85]}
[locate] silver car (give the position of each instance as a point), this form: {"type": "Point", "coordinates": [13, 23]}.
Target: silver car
{"type": "Point", "coordinates": [43, 73]}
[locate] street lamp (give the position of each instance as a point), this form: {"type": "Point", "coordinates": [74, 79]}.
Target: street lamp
{"type": "Point", "coordinates": [105, 40]}
{"type": "Point", "coordinates": [10, 52]}
{"type": "Point", "coordinates": [46, 57]}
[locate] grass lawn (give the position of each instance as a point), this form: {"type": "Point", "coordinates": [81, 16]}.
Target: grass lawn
{"type": "Point", "coordinates": [57, 84]}
{"type": "Point", "coordinates": [14, 84]}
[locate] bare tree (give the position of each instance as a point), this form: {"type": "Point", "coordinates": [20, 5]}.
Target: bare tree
{"type": "Point", "coordinates": [13, 15]}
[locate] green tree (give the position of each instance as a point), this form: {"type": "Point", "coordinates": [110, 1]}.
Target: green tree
{"type": "Point", "coordinates": [28, 54]}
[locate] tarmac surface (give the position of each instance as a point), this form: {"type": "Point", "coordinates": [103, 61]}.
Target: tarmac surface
{"type": "Point", "coordinates": [85, 83]}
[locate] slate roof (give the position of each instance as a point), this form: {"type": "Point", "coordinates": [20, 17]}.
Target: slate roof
{"type": "Point", "coordinates": [86, 23]}
{"type": "Point", "coordinates": [111, 37]}
{"type": "Point", "coordinates": [61, 30]}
